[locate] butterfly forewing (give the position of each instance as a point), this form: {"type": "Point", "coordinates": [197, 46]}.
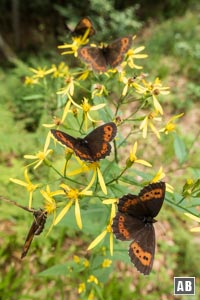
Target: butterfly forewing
{"type": "Point", "coordinates": [116, 50]}
{"type": "Point", "coordinates": [84, 24]}
{"type": "Point", "coordinates": [64, 138]}
{"type": "Point", "coordinates": [153, 196]}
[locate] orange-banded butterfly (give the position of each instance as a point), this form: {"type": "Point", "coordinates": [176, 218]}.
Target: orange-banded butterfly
{"type": "Point", "coordinates": [134, 221]}
{"type": "Point", "coordinates": [93, 147]}
{"type": "Point", "coordinates": [111, 56]}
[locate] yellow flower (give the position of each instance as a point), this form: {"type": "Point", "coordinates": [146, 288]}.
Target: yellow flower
{"type": "Point", "coordinates": [154, 89]}
{"type": "Point", "coordinates": [148, 121]}
{"type": "Point", "coordinates": [95, 167]}
{"type": "Point", "coordinates": [73, 197]}
{"type": "Point", "coordinates": [170, 126]}
{"type": "Point", "coordinates": [30, 80]}
{"type": "Point", "coordinates": [50, 203]}
{"type": "Point", "coordinates": [40, 157]}
{"type": "Point", "coordinates": [81, 288]}
{"type": "Point", "coordinates": [69, 88]}
{"type": "Point", "coordinates": [86, 108]}
{"type": "Point", "coordinates": [159, 175]}
{"type": "Point", "coordinates": [128, 82]}
{"type": "Point", "coordinates": [83, 75]}
{"type": "Point", "coordinates": [62, 70]}
{"type": "Point", "coordinates": [197, 219]}
{"type": "Point", "coordinates": [59, 121]}
{"type": "Point", "coordinates": [98, 90]}
{"type": "Point", "coordinates": [92, 278]}
{"type": "Point", "coordinates": [133, 158]}
{"type": "Point", "coordinates": [86, 263]}
{"type": "Point", "coordinates": [106, 263]}
{"type": "Point", "coordinates": [75, 45]}
{"type": "Point", "coordinates": [76, 259]}
{"type": "Point", "coordinates": [27, 184]}
{"type": "Point", "coordinates": [132, 54]}
{"type": "Point", "coordinates": [41, 72]}
{"type": "Point", "coordinates": [108, 228]}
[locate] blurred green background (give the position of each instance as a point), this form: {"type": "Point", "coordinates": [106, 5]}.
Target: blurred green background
{"type": "Point", "coordinates": [30, 32]}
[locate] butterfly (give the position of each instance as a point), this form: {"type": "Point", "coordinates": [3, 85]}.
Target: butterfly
{"type": "Point", "coordinates": [94, 146]}
{"type": "Point", "coordinates": [36, 228]}
{"type": "Point", "coordinates": [107, 56]}
{"type": "Point", "coordinates": [80, 29]}
{"type": "Point", "coordinates": [134, 221]}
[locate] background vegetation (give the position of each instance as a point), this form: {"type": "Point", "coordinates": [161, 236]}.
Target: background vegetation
{"type": "Point", "coordinates": [170, 32]}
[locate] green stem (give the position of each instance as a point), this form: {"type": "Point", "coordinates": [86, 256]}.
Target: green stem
{"type": "Point", "coordinates": [117, 178]}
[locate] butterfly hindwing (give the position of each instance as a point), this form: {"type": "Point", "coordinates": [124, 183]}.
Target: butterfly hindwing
{"type": "Point", "coordinates": [93, 56]}
{"type": "Point", "coordinates": [126, 227]}
{"type": "Point", "coordinates": [142, 249]}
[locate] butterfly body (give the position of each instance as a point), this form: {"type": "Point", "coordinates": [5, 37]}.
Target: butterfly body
{"type": "Point", "coordinates": [36, 229]}
{"type": "Point", "coordinates": [37, 226]}
{"type": "Point", "coordinates": [134, 221]}
{"type": "Point", "coordinates": [94, 146]}
{"type": "Point", "coordinates": [100, 58]}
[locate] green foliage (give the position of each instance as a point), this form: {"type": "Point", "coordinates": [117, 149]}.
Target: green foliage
{"type": "Point", "coordinates": [61, 257]}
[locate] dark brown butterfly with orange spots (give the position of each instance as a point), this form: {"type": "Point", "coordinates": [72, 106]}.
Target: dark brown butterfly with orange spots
{"type": "Point", "coordinates": [134, 221]}
{"type": "Point", "coordinates": [112, 55]}
{"type": "Point", "coordinates": [94, 146]}
{"type": "Point", "coordinates": [37, 226]}
{"type": "Point", "coordinates": [80, 29]}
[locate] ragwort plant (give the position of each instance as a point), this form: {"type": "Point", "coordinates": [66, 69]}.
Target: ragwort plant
{"type": "Point", "coordinates": [90, 190]}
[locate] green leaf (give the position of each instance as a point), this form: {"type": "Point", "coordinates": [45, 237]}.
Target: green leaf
{"type": "Point", "coordinates": [180, 149]}
{"type": "Point", "coordinates": [33, 97]}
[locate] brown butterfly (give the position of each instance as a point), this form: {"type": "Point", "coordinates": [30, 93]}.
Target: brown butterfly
{"type": "Point", "coordinates": [37, 226]}
{"type": "Point", "coordinates": [94, 146]}
{"type": "Point", "coordinates": [80, 29]}
{"type": "Point", "coordinates": [134, 221]}
{"type": "Point", "coordinates": [112, 55]}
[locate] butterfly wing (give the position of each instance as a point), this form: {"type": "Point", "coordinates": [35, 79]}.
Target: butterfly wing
{"type": "Point", "coordinates": [82, 26]}
{"type": "Point", "coordinates": [142, 249]}
{"type": "Point", "coordinates": [94, 146]}
{"type": "Point", "coordinates": [131, 204]}
{"type": "Point", "coordinates": [126, 227]}
{"type": "Point", "coordinates": [93, 56]}
{"type": "Point", "coordinates": [64, 138]}
{"type": "Point", "coordinates": [115, 51]}
{"type": "Point", "coordinates": [36, 228]}
{"type": "Point", "coordinates": [98, 141]}
{"type": "Point", "coordinates": [147, 204]}
{"type": "Point", "coordinates": [152, 196]}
